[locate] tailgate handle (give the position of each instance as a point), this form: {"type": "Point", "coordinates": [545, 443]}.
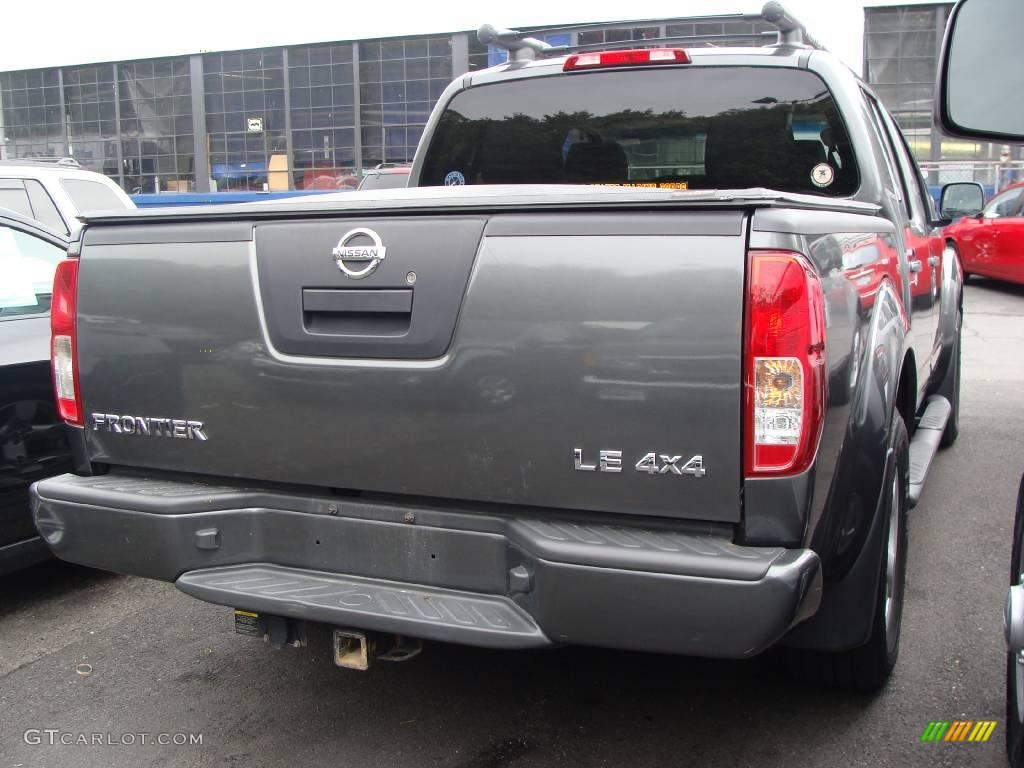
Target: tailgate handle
{"type": "Point", "coordinates": [356, 301]}
{"type": "Point", "coordinates": [356, 313]}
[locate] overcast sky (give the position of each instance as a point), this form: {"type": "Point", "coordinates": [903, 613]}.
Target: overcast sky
{"type": "Point", "coordinates": [110, 30]}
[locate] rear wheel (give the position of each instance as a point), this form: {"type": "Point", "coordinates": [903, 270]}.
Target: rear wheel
{"type": "Point", "coordinates": [868, 667]}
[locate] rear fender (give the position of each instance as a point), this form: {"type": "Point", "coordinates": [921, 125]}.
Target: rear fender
{"type": "Point", "coordinates": [849, 534]}
{"type": "Point", "coordinates": [952, 302]}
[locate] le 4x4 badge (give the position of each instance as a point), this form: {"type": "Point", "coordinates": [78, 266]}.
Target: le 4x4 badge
{"type": "Point", "coordinates": [650, 463]}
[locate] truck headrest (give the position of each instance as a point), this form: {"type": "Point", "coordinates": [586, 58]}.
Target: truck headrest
{"type": "Point", "coordinates": [591, 162]}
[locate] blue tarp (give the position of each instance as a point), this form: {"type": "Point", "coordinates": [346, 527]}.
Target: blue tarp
{"type": "Point", "coordinates": [195, 198]}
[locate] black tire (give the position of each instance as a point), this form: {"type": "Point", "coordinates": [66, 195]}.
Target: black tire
{"type": "Point", "coordinates": [868, 667]}
{"type": "Point", "coordinates": [950, 387]}
{"type": "Point", "coordinates": [1015, 670]}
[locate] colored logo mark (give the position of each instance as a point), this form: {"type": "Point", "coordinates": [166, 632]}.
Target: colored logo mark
{"type": "Point", "coordinates": [958, 730]}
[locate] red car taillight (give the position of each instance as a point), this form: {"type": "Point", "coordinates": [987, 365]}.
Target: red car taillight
{"type": "Point", "coordinates": [784, 364]}
{"type": "Point", "coordinates": [64, 341]}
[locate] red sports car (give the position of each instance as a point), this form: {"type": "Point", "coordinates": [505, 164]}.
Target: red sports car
{"type": "Point", "coordinates": [992, 243]}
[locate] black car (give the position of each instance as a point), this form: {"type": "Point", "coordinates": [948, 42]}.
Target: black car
{"type": "Point", "coordinates": [33, 444]}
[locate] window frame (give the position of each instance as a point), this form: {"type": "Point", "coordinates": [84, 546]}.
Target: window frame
{"type": "Point", "coordinates": [894, 188]}
{"type": "Point", "coordinates": [909, 166]}
{"type": "Point", "coordinates": [63, 229]}
{"type": "Point", "coordinates": [918, 216]}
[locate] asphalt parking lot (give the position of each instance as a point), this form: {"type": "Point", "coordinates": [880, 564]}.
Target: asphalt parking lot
{"type": "Point", "coordinates": [86, 652]}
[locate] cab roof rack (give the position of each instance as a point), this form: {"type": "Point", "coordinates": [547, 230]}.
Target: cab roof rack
{"type": "Point", "coordinates": [519, 45]}
{"type": "Point", "coordinates": [791, 30]}
{"type": "Point", "coordinates": [522, 46]}
{"type": "Point", "coordinates": [67, 162]}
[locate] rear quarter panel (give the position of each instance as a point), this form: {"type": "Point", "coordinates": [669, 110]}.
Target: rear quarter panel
{"type": "Point", "coordinates": [855, 258]}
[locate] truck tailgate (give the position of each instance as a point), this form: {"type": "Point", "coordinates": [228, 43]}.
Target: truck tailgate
{"type": "Point", "coordinates": [470, 363]}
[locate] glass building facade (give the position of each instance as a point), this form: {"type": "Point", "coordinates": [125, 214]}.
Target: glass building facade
{"type": "Point", "coordinates": [901, 50]}
{"type": "Point", "coordinates": [399, 83]}
{"type": "Point", "coordinates": [902, 45]}
{"type": "Point", "coordinates": [299, 117]}
{"type": "Point", "coordinates": [238, 86]}
{"type": "Point", "coordinates": [33, 114]}
{"type": "Point", "coordinates": [91, 115]}
{"type": "Point", "coordinates": [157, 138]}
{"type": "Point", "coordinates": [314, 116]}
{"type": "Point", "coordinates": [322, 110]}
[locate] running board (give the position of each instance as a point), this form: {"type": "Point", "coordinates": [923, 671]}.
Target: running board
{"type": "Point", "coordinates": [926, 442]}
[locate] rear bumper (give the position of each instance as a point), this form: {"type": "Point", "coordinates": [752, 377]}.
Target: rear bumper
{"type": "Point", "coordinates": [455, 575]}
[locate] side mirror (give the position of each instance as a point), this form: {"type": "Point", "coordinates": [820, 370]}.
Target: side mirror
{"type": "Point", "coordinates": [981, 72]}
{"type": "Point", "coordinates": [962, 198]}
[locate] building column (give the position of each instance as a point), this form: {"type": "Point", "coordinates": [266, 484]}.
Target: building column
{"type": "Point", "coordinates": [3, 144]}
{"type": "Point", "coordinates": [289, 148]}
{"type": "Point", "coordinates": [936, 149]}
{"type": "Point", "coordinates": [200, 150]}
{"type": "Point", "coordinates": [460, 54]}
{"type": "Point", "coordinates": [357, 118]}
{"type": "Point", "coordinates": [117, 130]}
{"type": "Point", "coordinates": [63, 113]}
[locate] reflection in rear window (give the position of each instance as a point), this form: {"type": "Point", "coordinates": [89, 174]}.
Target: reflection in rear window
{"type": "Point", "coordinates": [394, 180]}
{"type": "Point", "coordinates": [92, 195]}
{"type": "Point", "coordinates": [679, 127]}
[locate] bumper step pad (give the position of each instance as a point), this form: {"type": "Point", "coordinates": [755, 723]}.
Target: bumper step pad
{"type": "Point", "coordinates": [437, 614]}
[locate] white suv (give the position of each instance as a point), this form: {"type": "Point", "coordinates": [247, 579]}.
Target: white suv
{"type": "Point", "coordinates": [54, 192]}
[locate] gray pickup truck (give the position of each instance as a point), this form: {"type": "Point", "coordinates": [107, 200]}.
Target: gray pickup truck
{"type": "Point", "coordinates": [654, 355]}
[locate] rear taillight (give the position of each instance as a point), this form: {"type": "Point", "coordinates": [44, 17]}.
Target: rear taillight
{"type": "Point", "coordinates": [64, 341]}
{"type": "Point", "coordinates": [641, 57]}
{"type": "Point", "coordinates": [784, 364]}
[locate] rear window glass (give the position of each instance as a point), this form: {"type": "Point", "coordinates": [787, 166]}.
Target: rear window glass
{"type": "Point", "coordinates": [13, 197]}
{"type": "Point", "coordinates": [92, 195]}
{"type": "Point", "coordinates": [695, 128]}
